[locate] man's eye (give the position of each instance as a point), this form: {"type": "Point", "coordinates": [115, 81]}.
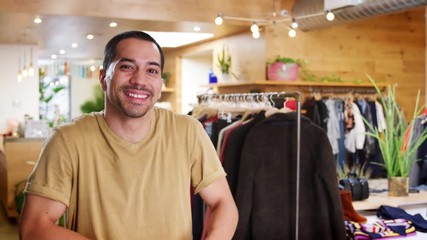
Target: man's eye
{"type": "Point", "coordinates": [126, 67]}
{"type": "Point", "coordinates": [153, 71]}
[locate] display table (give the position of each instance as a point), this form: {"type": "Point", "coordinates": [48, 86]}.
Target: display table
{"type": "Point", "coordinates": [413, 204]}
{"type": "Point", "coordinates": [17, 159]}
{"type": "Point", "coordinates": [375, 200]}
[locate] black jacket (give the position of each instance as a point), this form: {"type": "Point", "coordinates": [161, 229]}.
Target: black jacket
{"type": "Point", "coordinates": [266, 190]}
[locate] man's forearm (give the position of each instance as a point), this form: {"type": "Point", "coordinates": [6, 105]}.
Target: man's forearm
{"type": "Point", "coordinates": [223, 221]}
{"type": "Point", "coordinates": [51, 232]}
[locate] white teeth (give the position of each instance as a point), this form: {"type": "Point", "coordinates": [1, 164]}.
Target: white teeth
{"type": "Point", "coordinates": [137, 95]}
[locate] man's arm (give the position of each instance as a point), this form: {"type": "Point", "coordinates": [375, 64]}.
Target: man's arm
{"type": "Point", "coordinates": [224, 215]}
{"type": "Point", "coordinates": [38, 220]}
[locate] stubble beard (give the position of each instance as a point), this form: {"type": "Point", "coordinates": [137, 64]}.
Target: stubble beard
{"type": "Point", "coordinates": [134, 110]}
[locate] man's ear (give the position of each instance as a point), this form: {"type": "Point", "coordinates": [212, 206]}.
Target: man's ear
{"type": "Point", "coordinates": [102, 75]}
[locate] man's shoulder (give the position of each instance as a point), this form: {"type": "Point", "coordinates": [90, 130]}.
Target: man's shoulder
{"type": "Point", "coordinates": [168, 115]}
{"type": "Point", "coordinates": [85, 122]}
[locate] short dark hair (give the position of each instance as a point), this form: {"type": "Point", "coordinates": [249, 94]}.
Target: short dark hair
{"type": "Point", "coordinates": [111, 47]}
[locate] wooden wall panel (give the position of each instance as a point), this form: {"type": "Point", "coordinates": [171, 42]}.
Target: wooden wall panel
{"type": "Point", "coordinates": [389, 48]}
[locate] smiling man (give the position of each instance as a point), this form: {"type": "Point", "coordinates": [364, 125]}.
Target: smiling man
{"type": "Point", "coordinates": [125, 173]}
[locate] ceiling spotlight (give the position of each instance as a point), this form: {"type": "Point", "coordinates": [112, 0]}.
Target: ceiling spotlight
{"type": "Point", "coordinates": [254, 27]}
{"type": "Point", "coordinates": [330, 15]}
{"type": "Point", "coordinates": [53, 56]}
{"type": "Point", "coordinates": [89, 36]}
{"type": "Point", "coordinates": [37, 20]}
{"type": "Point", "coordinates": [294, 24]}
{"type": "Point", "coordinates": [92, 68]}
{"type": "Point", "coordinates": [219, 19]}
{"type": "Point", "coordinates": [113, 24]}
{"type": "Point", "coordinates": [256, 34]}
{"type": "Point", "coordinates": [292, 33]}
{"type": "Point", "coordinates": [74, 45]}
{"type": "Point", "coordinates": [196, 29]}
{"type": "Point", "coordinates": [62, 51]}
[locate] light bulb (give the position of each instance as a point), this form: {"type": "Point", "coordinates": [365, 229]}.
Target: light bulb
{"type": "Point", "coordinates": [19, 78]}
{"type": "Point", "coordinates": [37, 20]}
{"type": "Point", "coordinates": [255, 34]}
{"type": "Point", "coordinates": [294, 24]}
{"type": "Point", "coordinates": [254, 27]}
{"type": "Point", "coordinates": [219, 20]}
{"type": "Point", "coordinates": [330, 16]}
{"type": "Point", "coordinates": [24, 73]}
{"type": "Point", "coordinates": [292, 33]}
{"type": "Point", "coordinates": [31, 70]}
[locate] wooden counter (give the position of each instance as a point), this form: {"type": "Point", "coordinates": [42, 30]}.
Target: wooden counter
{"type": "Point", "coordinates": [16, 163]}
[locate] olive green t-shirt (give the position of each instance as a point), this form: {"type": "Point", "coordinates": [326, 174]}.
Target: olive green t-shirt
{"type": "Point", "coordinates": [115, 189]}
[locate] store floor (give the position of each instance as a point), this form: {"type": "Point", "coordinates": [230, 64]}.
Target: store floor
{"type": "Point", "coordinates": [8, 227]}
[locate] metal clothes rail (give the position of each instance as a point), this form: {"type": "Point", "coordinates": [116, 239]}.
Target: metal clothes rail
{"type": "Point", "coordinates": [269, 98]}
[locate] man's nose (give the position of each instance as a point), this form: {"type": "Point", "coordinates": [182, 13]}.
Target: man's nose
{"type": "Point", "coordinates": [139, 77]}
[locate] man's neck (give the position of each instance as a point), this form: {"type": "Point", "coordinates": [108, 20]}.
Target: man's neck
{"type": "Point", "coordinates": [130, 129]}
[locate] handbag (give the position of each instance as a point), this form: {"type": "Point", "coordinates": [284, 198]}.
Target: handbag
{"type": "Point", "coordinates": [359, 187]}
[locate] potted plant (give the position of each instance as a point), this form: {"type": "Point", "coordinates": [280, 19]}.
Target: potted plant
{"type": "Point", "coordinates": [224, 63]}
{"type": "Point", "coordinates": [283, 69]}
{"type": "Point", "coordinates": [96, 104]}
{"type": "Point", "coordinates": [165, 77]}
{"type": "Point", "coordinates": [398, 144]}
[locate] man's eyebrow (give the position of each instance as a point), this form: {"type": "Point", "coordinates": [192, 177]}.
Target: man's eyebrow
{"type": "Point", "coordinates": [133, 61]}
{"type": "Point", "coordinates": [154, 63]}
{"type": "Point", "coordinates": [126, 60]}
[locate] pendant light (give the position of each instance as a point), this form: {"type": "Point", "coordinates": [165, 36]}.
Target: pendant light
{"type": "Point", "coordinates": [31, 68]}
{"type": "Point", "coordinates": [19, 77]}
{"type": "Point", "coordinates": [24, 69]}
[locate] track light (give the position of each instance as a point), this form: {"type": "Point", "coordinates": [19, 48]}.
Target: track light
{"type": "Point", "coordinates": [219, 19]}
{"type": "Point", "coordinates": [294, 24]}
{"type": "Point", "coordinates": [292, 33]}
{"type": "Point", "coordinates": [255, 27]}
{"type": "Point", "coordinates": [275, 18]}
{"type": "Point", "coordinates": [330, 15]}
{"type": "Point", "coordinates": [256, 35]}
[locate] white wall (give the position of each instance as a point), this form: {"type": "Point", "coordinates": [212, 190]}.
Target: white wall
{"type": "Point", "coordinates": [17, 99]}
{"type": "Point", "coordinates": [195, 72]}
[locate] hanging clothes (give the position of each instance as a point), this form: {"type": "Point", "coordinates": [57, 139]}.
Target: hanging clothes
{"type": "Point", "coordinates": [265, 193]}
{"type": "Point", "coordinates": [316, 111]}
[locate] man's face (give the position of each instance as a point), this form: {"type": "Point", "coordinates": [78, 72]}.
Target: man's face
{"type": "Point", "coordinates": [133, 80]}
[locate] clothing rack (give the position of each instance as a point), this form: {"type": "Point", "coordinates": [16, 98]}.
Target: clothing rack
{"type": "Point", "coordinates": [269, 99]}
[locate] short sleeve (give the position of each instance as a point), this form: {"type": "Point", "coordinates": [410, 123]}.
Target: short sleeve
{"type": "Point", "coordinates": [52, 174]}
{"type": "Point", "coordinates": [206, 166]}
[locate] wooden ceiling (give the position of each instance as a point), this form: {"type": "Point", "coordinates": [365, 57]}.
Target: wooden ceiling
{"type": "Point", "coordinates": [67, 21]}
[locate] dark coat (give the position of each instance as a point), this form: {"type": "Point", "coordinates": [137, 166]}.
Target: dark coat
{"type": "Point", "coordinates": [266, 191]}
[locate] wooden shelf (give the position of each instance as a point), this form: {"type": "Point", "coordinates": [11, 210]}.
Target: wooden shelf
{"type": "Point", "coordinates": [300, 86]}
{"type": "Point", "coordinates": [168, 90]}
{"type": "Point", "coordinates": [297, 83]}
